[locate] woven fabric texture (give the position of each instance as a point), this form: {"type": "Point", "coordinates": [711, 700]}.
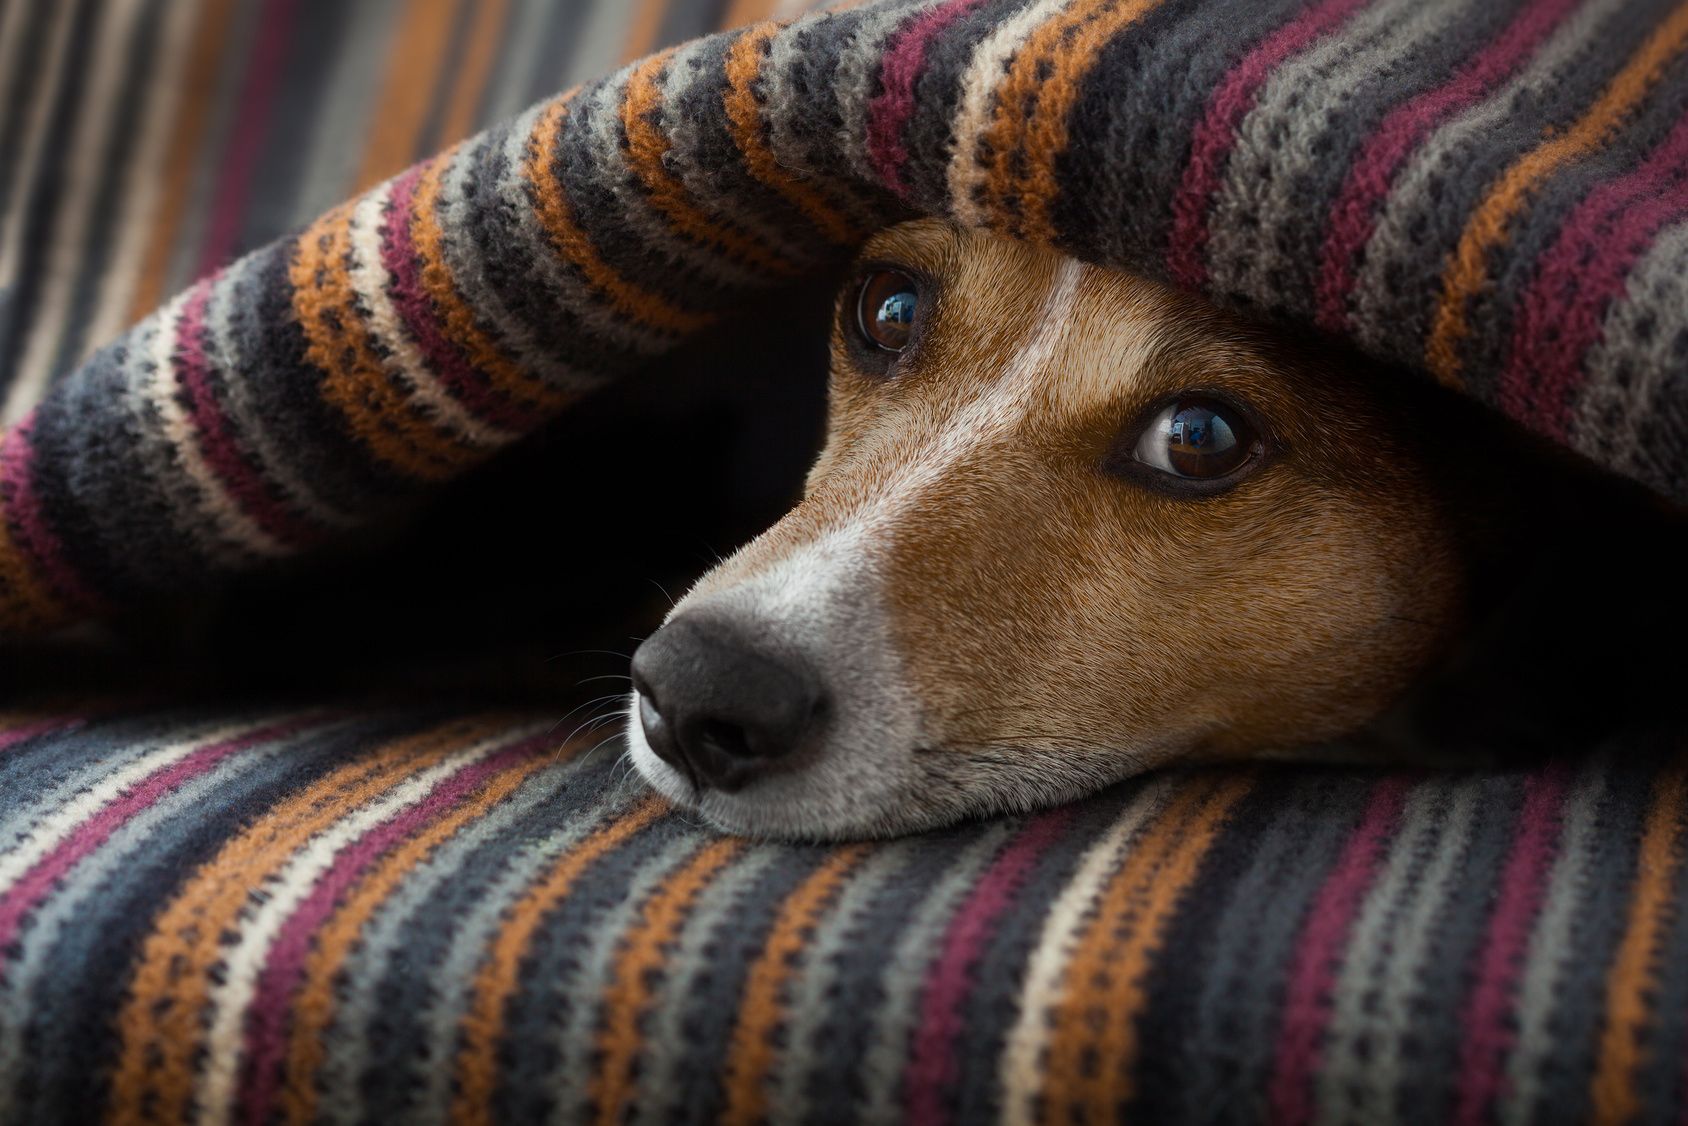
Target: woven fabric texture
{"type": "Point", "coordinates": [326, 917]}
{"type": "Point", "coordinates": [1489, 192]}
{"type": "Point", "coordinates": [366, 915]}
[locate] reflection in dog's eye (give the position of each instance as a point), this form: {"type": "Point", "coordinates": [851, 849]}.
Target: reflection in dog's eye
{"type": "Point", "coordinates": [886, 307]}
{"type": "Point", "coordinates": [1197, 438]}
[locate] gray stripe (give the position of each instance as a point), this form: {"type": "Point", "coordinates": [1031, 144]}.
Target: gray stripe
{"type": "Point", "coordinates": [590, 961]}
{"type": "Point", "coordinates": [346, 1044]}
{"type": "Point", "coordinates": [58, 767]}
{"type": "Point", "coordinates": [1123, 214]}
{"type": "Point", "coordinates": [567, 291]}
{"type": "Point", "coordinates": [1635, 369]}
{"type": "Point", "coordinates": [709, 164]}
{"type": "Point", "coordinates": [339, 136]}
{"type": "Point", "coordinates": [463, 258]}
{"type": "Point", "coordinates": [70, 906]}
{"type": "Point", "coordinates": [1400, 277]}
{"type": "Point", "coordinates": [553, 986]}
{"type": "Point", "coordinates": [857, 78]}
{"type": "Point", "coordinates": [1239, 997]}
{"type": "Point", "coordinates": [534, 33]}
{"type": "Point", "coordinates": [813, 990]}
{"type": "Point", "coordinates": [244, 414]}
{"type": "Point", "coordinates": [1307, 113]}
{"type": "Point", "coordinates": [798, 76]}
{"type": "Point", "coordinates": [638, 215]}
{"type": "Point", "coordinates": [906, 967]}
{"type": "Point", "coordinates": [224, 102]}
{"type": "Point", "coordinates": [597, 47]}
{"type": "Point", "coordinates": [669, 1040]}
{"type": "Point", "coordinates": [117, 158]}
{"type": "Point", "coordinates": [430, 1094]}
{"type": "Point", "coordinates": [1371, 1005]}
{"type": "Point", "coordinates": [85, 978]}
{"type": "Point", "coordinates": [1551, 956]}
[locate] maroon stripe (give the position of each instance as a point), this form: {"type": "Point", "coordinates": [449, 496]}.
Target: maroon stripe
{"type": "Point", "coordinates": [34, 538]}
{"type": "Point", "coordinates": [416, 310]}
{"type": "Point", "coordinates": [934, 1067]}
{"type": "Point", "coordinates": [1563, 312]}
{"type": "Point", "coordinates": [1353, 217]}
{"type": "Point", "coordinates": [240, 163]}
{"type": "Point", "coordinates": [217, 440]}
{"type": "Point", "coordinates": [891, 108]}
{"type": "Point", "coordinates": [1319, 954]}
{"type": "Point", "coordinates": [1488, 1024]}
{"type": "Point", "coordinates": [24, 896]}
{"type": "Point", "coordinates": [267, 1020]}
{"type": "Point", "coordinates": [1210, 144]}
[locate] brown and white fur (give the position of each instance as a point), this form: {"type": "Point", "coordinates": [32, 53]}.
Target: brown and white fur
{"type": "Point", "coordinates": [1002, 620]}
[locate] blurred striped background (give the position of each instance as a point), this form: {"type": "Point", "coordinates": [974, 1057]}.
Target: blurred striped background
{"type": "Point", "coordinates": [144, 143]}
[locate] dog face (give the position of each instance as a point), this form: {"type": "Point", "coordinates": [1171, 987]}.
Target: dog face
{"type": "Point", "coordinates": [1068, 525]}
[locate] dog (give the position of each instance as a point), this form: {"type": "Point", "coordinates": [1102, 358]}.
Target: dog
{"type": "Point", "coordinates": [1070, 525]}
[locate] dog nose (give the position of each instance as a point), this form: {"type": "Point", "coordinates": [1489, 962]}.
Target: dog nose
{"type": "Point", "coordinates": [719, 709]}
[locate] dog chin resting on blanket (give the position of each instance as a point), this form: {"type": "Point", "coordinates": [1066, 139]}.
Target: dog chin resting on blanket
{"type": "Point", "coordinates": [1070, 525]}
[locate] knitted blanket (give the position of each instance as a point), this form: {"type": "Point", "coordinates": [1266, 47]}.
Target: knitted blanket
{"type": "Point", "coordinates": [1490, 192]}
{"type": "Point", "coordinates": [412, 913]}
{"type": "Point", "coordinates": [399, 918]}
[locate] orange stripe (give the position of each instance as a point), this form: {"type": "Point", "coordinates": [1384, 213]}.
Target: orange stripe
{"type": "Point", "coordinates": [646, 147]}
{"type": "Point", "coordinates": [750, 1056]}
{"type": "Point", "coordinates": [642, 33]}
{"type": "Point", "coordinates": [1047, 74]}
{"type": "Point", "coordinates": [1093, 1045]}
{"type": "Point", "coordinates": [207, 53]}
{"type": "Point", "coordinates": [483, 1024]}
{"type": "Point", "coordinates": [485, 30]}
{"type": "Point", "coordinates": [355, 376]}
{"type": "Point", "coordinates": [644, 952]}
{"type": "Point", "coordinates": [26, 603]}
{"type": "Point", "coordinates": [556, 215]}
{"type": "Point", "coordinates": [1632, 984]}
{"type": "Point", "coordinates": [1467, 271]}
{"type": "Point", "coordinates": [742, 12]}
{"type": "Point", "coordinates": [482, 350]}
{"type": "Point", "coordinates": [161, 1027]}
{"type": "Point", "coordinates": [744, 115]}
{"type": "Point", "coordinates": [414, 63]}
{"type": "Point", "coordinates": [313, 1010]}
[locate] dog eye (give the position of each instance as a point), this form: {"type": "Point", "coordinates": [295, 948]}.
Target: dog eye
{"type": "Point", "coordinates": [1197, 438]}
{"type": "Point", "coordinates": [886, 306]}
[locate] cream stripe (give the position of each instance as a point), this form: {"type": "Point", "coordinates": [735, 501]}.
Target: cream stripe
{"type": "Point", "coordinates": [282, 893]}
{"type": "Point", "coordinates": [247, 417]}
{"type": "Point", "coordinates": [1375, 987]}
{"type": "Point", "coordinates": [370, 280]}
{"type": "Point", "coordinates": [139, 204]}
{"type": "Point", "coordinates": [89, 141]}
{"type": "Point", "coordinates": [1382, 309]}
{"type": "Point", "coordinates": [158, 390]}
{"type": "Point", "coordinates": [34, 145]}
{"type": "Point", "coordinates": [1028, 1041]}
{"type": "Point", "coordinates": [543, 260]}
{"type": "Point", "coordinates": [464, 259]}
{"type": "Point", "coordinates": [46, 834]}
{"type": "Point", "coordinates": [978, 99]}
{"type": "Point", "coordinates": [1554, 955]}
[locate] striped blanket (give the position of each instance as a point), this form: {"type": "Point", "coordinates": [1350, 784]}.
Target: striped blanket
{"type": "Point", "coordinates": [400, 918]}
{"type": "Point", "coordinates": [410, 913]}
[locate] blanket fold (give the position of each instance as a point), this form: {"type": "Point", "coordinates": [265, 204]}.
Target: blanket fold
{"type": "Point", "coordinates": [1489, 193]}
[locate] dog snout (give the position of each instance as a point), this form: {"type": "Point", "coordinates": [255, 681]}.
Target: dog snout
{"type": "Point", "coordinates": [721, 709]}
